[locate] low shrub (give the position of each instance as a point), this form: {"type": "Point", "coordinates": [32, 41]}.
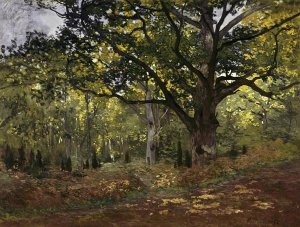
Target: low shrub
{"type": "Point", "coordinates": [260, 154]}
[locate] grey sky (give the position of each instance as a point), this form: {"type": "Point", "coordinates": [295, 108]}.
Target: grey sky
{"type": "Point", "coordinates": [17, 18]}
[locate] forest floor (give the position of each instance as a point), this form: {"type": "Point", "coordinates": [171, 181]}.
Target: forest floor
{"type": "Point", "coordinates": [264, 196]}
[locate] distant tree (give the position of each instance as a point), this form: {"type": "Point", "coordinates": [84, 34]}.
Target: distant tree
{"type": "Point", "coordinates": [127, 156]}
{"type": "Point", "coordinates": [179, 154]}
{"type": "Point", "coordinates": [95, 163]}
{"type": "Point", "coordinates": [188, 159]}
{"type": "Point", "coordinates": [69, 164]}
{"type": "Point", "coordinates": [9, 158]}
{"type": "Point", "coordinates": [31, 159]}
{"type": "Point", "coordinates": [21, 159]}
{"type": "Point", "coordinates": [87, 164]}
{"type": "Point", "coordinates": [62, 165]}
{"type": "Point", "coordinates": [39, 160]}
{"type": "Point", "coordinates": [233, 153]}
{"type": "Point", "coordinates": [244, 149]}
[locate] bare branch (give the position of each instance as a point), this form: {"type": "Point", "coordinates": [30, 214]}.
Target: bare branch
{"type": "Point", "coordinates": [289, 86]}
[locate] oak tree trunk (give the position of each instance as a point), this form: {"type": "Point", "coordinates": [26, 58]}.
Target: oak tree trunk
{"type": "Point", "coordinates": [203, 144]}
{"type": "Point", "coordinates": [203, 134]}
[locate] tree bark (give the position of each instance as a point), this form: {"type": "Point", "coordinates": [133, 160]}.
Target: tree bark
{"type": "Point", "coordinates": [203, 144]}
{"type": "Point", "coordinates": [203, 135]}
{"type": "Point", "coordinates": [151, 143]}
{"type": "Point", "coordinates": [108, 151]}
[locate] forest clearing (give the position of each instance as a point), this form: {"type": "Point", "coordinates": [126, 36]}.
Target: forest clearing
{"type": "Point", "coordinates": [149, 112]}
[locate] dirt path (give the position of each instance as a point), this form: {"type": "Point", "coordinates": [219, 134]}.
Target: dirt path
{"type": "Point", "coordinates": [268, 197]}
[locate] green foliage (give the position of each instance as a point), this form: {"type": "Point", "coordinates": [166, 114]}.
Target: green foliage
{"type": "Point", "coordinates": [44, 102]}
{"type": "Point", "coordinates": [261, 154]}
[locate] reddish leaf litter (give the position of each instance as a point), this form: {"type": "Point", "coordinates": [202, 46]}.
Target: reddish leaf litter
{"type": "Point", "coordinates": [266, 197]}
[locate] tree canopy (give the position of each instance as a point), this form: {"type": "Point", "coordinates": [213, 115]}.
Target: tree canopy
{"type": "Point", "coordinates": [191, 54]}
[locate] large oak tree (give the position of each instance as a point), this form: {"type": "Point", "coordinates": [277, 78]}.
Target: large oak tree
{"type": "Point", "coordinates": [194, 52]}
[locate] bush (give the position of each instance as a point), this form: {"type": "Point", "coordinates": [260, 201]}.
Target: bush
{"type": "Point", "coordinates": [261, 154]}
{"type": "Point", "coordinates": [244, 149]}
{"type": "Point", "coordinates": [233, 153]}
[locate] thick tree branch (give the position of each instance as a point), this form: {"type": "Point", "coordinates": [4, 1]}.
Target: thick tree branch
{"type": "Point", "coordinates": [259, 33]}
{"type": "Point", "coordinates": [176, 49]}
{"type": "Point", "coordinates": [120, 97]}
{"type": "Point", "coordinates": [206, 17]}
{"type": "Point", "coordinates": [238, 19]}
{"type": "Point", "coordinates": [240, 81]}
{"type": "Point", "coordinates": [170, 101]}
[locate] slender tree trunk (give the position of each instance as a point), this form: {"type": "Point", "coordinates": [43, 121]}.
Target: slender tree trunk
{"type": "Point", "coordinates": [108, 151]}
{"type": "Point", "coordinates": [51, 138]}
{"type": "Point", "coordinates": [105, 150]}
{"type": "Point", "coordinates": [103, 147]}
{"type": "Point", "coordinates": [158, 128]}
{"type": "Point", "coordinates": [124, 150]}
{"type": "Point", "coordinates": [151, 143]}
{"type": "Point", "coordinates": [67, 134]}
{"type": "Point", "coordinates": [88, 124]}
